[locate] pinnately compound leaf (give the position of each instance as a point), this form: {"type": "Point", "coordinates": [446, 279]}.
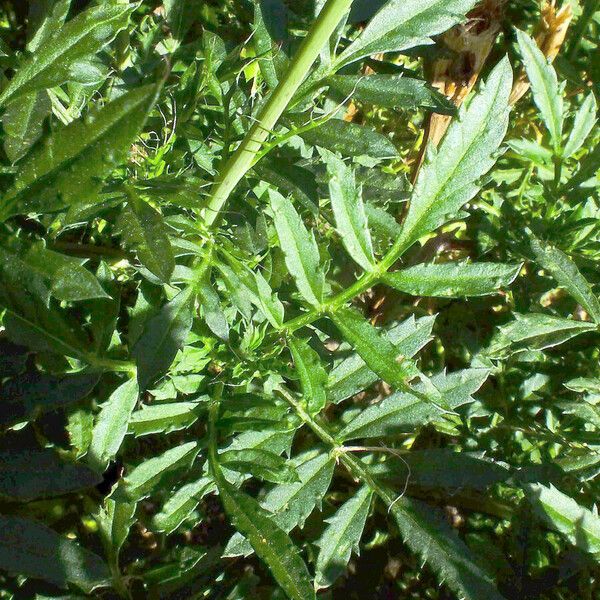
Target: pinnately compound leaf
{"type": "Point", "coordinates": [544, 86]}
{"type": "Point", "coordinates": [400, 25]}
{"type": "Point", "coordinates": [313, 376]}
{"type": "Point", "coordinates": [271, 543]}
{"type": "Point", "coordinates": [300, 249]}
{"type": "Point", "coordinates": [349, 210]}
{"type": "Point", "coordinates": [391, 91]}
{"type": "Point", "coordinates": [378, 352]}
{"type": "Point", "coordinates": [585, 119]}
{"type": "Point", "coordinates": [453, 280]}
{"type": "Point", "coordinates": [163, 336]}
{"type": "Point", "coordinates": [352, 375]}
{"type": "Point", "coordinates": [341, 537]}
{"type": "Point", "coordinates": [74, 159]}
{"type": "Point", "coordinates": [567, 275]}
{"type": "Point", "coordinates": [449, 177]}
{"type": "Point", "coordinates": [31, 549]}
{"type": "Point", "coordinates": [112, 423]}
{"type": "Point", "coordinates": [57, 59]}
{"type": "Point", "coordinates": [560, 512]}
{"type": "Point", "coordinates": [143, 230]}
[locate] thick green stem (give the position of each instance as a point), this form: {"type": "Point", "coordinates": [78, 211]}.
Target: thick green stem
{"type": "Point", "coordinates": [243, 158]}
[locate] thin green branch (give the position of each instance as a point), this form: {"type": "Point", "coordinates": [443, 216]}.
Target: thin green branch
{"type": "Point", "coordinates": [243, 158]}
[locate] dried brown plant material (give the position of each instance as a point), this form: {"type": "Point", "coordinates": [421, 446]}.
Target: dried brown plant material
{"type": "Point", "coordinates": [549, 36]}
{"type": "Point", "coordinates": [471, 43]}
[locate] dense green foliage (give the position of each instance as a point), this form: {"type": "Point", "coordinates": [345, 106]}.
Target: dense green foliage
{"type": "Point", "coordinates": [200, 395]}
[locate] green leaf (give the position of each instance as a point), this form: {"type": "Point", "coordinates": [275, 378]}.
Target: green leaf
{"type": "Point", "coordinates": [585, 119]}
{"type": "Point", "coordinates": [258, 291]}
{"type": "Point", "coordinates": [449, 176]}
{"type": "Point", "coordinates": [299, 247]}
{"type": "Point", "coordinates": [44, 330]}
{"type": "Point", "coordinates": [531, 151]}
{"type": "Point", "coordinates": [313, 376]}
{"type": "Point", "coordinates": [453, 280]}
{"type": "Point", "coordinates": [270, 542]}
{"type": "Point", "coordinates": [164, 418]}
{"type": "Point", "coordinates": [352, 375]}
{"type": "Point", "coordinates": [547, 94]}
{"type": "Point", "coordinates": [211, 311]}
{"type": "Point", "coordinates": [291, 180]}
{"type": "Point", "coordinates": [112, 423]}
{"type": "Point", "coordinates": [23, 122]}
{"type": "Point", "coordinates": [104, 312]}
{"type": "Point", "coordinates": [69, 280]}
{"type": "Point", "coordinates": [144, 478]}
{"type": "Point", "coordinates": [259, 463]}
{"type": "Point", "coordinates": [62, 57]}
{"type": "Point", "coordinates": [584, 384]}
{"type": "Point", "coordinates": [45, 273]}
{"type": "Point", "coordinates": [263, 44]}
{"type": "Point", "coordinates": [292, 503]}
{"type": "Point", "coordinates": [32, 474]}
{"type": "Point", "coordinates": [114, 520]}
{"type": "Point", "coordinates": [350, 139]}
{"type": "Point", "coordinates": [442, 468]}
{"type": "Point", "coordinates": [402, 412]}
{"type": "Point", "coordinates": [588, 168]}
{"type": "Point", "coordinates": [349, 210]}
{"type": "Point", "coordinates": [181, 504]}
{"type": "Point", "coordinates": [561, 513]}
{"type": "Point", "coordinates": [163, 336]}
{"type": "Point", "coordinates": [567, 275]}
{"type": "Point", "coordinates": [378, 352]}
{"type": "Point", "coordinates": [80, 423]}
{"type": "Point", "coordinates": [75, 158]}
{"type": "Point", "coordinates": [268, 302]}
{"type": "Point", "coordinates": [534, 331]}
{"type": "Point", "coordinates": [430, 536]}
{"type": "Point", "coordinates": [341, 537]}
{"type": "Point", "coordinates": [144, 232]}
{"type": "Point", "coordinates": [29, 395]}
{"type": "Point", "coordinates": [400, 25]}
{"type": "Point", "coordinates": [44, 19]}
{"type": "Point", "coordinates": [391, 91]}
{"type": "Point", "coordinates": [31, 549]}
{"type": "Point", "coordinates": [180, 16]}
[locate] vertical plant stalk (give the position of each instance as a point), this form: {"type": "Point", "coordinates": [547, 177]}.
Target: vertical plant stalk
{"type": "Point", "coordinates": [242, 159]}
